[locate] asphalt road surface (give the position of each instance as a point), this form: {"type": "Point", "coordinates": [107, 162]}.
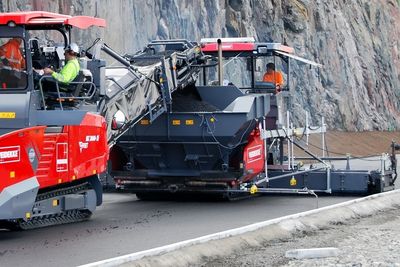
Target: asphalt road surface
{"type": "Point", "coordinates": [124, 224]}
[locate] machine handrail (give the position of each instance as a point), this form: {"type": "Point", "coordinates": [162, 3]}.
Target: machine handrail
{"type": "Point", "coordinates": [92, 90]}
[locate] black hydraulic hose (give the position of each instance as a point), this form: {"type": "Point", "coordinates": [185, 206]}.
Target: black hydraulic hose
{"type": "Point", "coordinates": [213, 63]}
{"type": "Point", "coordinates": [89, 55]}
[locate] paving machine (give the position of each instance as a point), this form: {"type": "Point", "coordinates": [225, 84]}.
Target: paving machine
{"type": "Point", "coordinates": [227, 134]}
{"type": "Point", "coordinates": [173, 123]}
{"type": "Point", "coordinates": [49, 157]}
{"type": "Point", "coordinates": [55, 138]}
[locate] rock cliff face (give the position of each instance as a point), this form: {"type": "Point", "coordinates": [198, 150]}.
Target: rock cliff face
{"type": "Point", "coordinates": [357, 42]}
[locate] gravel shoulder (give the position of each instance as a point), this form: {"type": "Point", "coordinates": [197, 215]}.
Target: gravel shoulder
{"type": "Point", "coordinates": [369, 241]}
{"type": "Point", "coordinates": [363, 230]}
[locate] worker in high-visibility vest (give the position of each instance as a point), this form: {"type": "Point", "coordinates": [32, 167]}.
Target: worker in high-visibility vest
{"type": "Point", "coordinates": [11, 56]}
{"type": "Point", "coordinates": [273, 76]}
{"type": "Point", "coordinates": [71, 69]}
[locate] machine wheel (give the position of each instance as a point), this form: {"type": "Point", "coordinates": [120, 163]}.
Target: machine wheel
{"type": "Point", "coordinates": [144, 196]}
{"type": "Point", "coordinates": [229, 196]}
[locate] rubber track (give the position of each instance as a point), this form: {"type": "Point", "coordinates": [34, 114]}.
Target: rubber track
{"type": "Point", "coordinates": [69, 216]}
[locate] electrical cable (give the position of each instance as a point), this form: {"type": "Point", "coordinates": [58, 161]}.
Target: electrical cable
{"type": "Point", "coordinates": [211, 132]}
{"type": "Point", "coordinates": [94, 43]}
{"type": "Point", "coordinates": [302, 134]}
{"type": "Point", "coordinates": [343, 154]}
{"type": "Point", "coordinates": [364, 158]}
{"type": "Point", "coordinates": [235, 57]}
{"type": "Point", "coordinates": [327, 151]}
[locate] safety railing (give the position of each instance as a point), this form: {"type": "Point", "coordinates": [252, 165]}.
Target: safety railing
{"type": "Point", "coordinates": [60, 98]}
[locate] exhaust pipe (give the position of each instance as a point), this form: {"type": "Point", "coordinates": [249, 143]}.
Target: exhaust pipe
{"type": "Point", "coordinates": [132, 182]}
{"type": "Point", "coordinates": [220, 67]}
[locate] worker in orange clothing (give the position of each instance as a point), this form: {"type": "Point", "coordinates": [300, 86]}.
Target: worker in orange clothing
{"type": "Point", "coordinates": [11, 56]}
{"type": "Point", "coordinates": [273, 76]}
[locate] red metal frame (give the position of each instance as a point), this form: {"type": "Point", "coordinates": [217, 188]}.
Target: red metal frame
{"type": "Point", "coordinates": [48, 18]}
{"type": "Point", "coordinates": [79, 151]}
{"type": "Point", "coordinates": [15, 165]}
{"type": "Point", "coordinates": [253, 155]}
{"type": "Point", "coordinates": [231, 46]}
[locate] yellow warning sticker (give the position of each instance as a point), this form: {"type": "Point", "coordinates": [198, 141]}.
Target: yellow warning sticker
{"type": "Point", "coordinates": [144, 122]}
{"type": "Point", "coordinates": [176, 122]}
{"type": "Point", "coordinates": [7, 115]}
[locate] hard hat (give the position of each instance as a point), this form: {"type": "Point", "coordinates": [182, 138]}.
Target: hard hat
{"type": "Point", "coordinates": [72, 47]}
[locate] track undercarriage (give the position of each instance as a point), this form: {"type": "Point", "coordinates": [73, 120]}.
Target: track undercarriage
{"type": "Point", "coordinates": [67, 204]}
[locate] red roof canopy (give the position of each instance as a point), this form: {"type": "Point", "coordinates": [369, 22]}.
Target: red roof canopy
{"type": "Point", "coordinates": [228, 47]}
{"type": "Point", "coordinates": [48, 18]}
{"type": "Point", "coordinates": [230, 44]}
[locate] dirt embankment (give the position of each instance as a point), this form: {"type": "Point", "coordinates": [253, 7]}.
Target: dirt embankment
{"type": "Point", "coordinates": [370, 241]}
{"type": "Point", "coordinates": [357, 144]}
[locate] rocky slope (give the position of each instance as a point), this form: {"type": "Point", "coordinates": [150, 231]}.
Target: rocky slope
{"type": "Point", "coordinates": [356, 41]}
